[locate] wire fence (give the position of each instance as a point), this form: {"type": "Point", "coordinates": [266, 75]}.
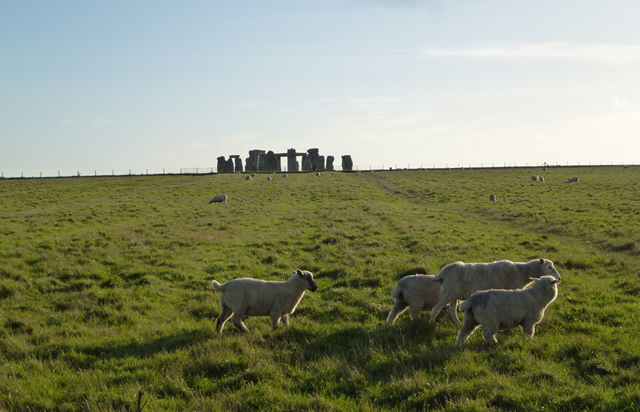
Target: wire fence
{"type": "Point", "coordinates": [356, 168]}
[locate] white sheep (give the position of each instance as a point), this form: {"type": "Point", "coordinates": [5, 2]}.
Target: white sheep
{"type": "Point", "coordinates": [497, 310]}
{"type": "Point", "coordinates": [219, 199]}
{"type": "Point", "coordinates": [252, 297]}
{"type": "Point", "coordinates": [492, 198]}
{"type": "Point", "coordinates": [268, 178]}
{"type": "Point", "coordinates": [534, 177]}
{"type": "Point", "coordinates": [460, 280]}
{"type": "Point", "coordinates": [573, 180]}
{"type": "Point", "coordinates": [247, 178]}
{"type": "Point", "coordinates": [541, 178]}
{"type": "Point", "coordinates": [416, 292]}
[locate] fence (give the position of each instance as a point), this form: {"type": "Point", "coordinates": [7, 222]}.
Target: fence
{"type": "Point", "coordinates": [357, 168]}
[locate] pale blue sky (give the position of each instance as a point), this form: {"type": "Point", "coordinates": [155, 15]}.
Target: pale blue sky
{"type": "Point", "coordinates": [150, 85]}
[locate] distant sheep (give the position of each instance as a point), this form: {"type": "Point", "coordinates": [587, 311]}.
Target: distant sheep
{"type": "Point", "coordinates": [317, 173]}
{"type": "Point", "coordinates": [219, 199]}
{"type": "Point", "coordinates": [285, 175]}
{"type": "Point", "coordinates": [252, 297]}
{"type": "Point", "coordinates": [460, 280]}
{"type": "Point", "coordinates": [541, 178]}
{"type": "Point", "coordinates": [497, 310]}
{"type": "Point", "coordinates": [416, 292]}
{"type": "Point", "coordinates": [247, 178]}
{"type": "Point", "coordinates": [253, 175]}
{"type": "Point", "coordinates": [534, 177]}
{"type": "Point", "coordinates": [573, 180]}
{"type": "Point", "coordinates": [492, 198]}
{"type": "Point", "coordinates": [268, 178]}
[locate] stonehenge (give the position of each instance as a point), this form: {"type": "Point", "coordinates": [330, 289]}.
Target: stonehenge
{"type": "Point", "coordinates": [269, 161]}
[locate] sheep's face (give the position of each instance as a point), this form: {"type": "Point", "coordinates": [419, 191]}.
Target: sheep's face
{"type": "Point", "coordinates": [548, 269]}
{"type": "Point", "coordinates": [308, 276]}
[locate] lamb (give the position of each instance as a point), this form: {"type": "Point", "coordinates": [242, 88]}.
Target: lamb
{"type": "Point", "coordinates": [417, 292]}
{"type": "Point", "coordinates": [497, 310]}
{"type": "Point", "coordinates": [460, 280]}
{"type": "Point", "coordinates": [252, 297]}
{"type": "Point", "coordinates": [219, 199]}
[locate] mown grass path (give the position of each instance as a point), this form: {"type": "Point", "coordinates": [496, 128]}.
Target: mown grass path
{"type": "Point", "coordinates": [104, 291]}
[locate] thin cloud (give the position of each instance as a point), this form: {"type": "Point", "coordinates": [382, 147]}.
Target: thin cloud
{"type": "Point", "coordinates": [612, 53]}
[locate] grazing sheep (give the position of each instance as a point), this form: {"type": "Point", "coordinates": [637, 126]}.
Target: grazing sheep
{"type": "Point", "coordinates": [247, 178]}
{"type": "Point", "coordinates": [253, 175]}
{"type": "Point", "coordinates": [534, 177]}
{"type": "Point", "coordinates": [317, 173]}
{"type": "Point", "coordinates": [219, 199]}
{"type": "Point", "coordinates": [460, 280]}
{"type": "Point", "coordinates": [252, 297]}
{"type": "Point", "coordinates": [285, 175]}
{"type": "Point", "coordinates": [417, 292]}
{"type": "Point", "coordinates": [492, 198]}
{"type": "Point", "coordinates": [268, 178]}
{"type": "Point", "coordinates": [573, 180]}
{"type": "Point", "coordinates": [541, 178]}
{"type": "Point", "coordinates": [497, 310]}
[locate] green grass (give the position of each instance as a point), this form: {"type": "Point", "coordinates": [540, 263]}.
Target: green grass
{"type": "Point", "coordinates": [104, 291]}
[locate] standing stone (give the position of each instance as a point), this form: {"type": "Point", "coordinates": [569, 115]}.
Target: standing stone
{"type": "Point", "coordinates": [347, 163]}
{"type": "Point", "coordinates": [292, 163]}
{"type": "Point", "coordinates": [330, 160]}
{"type": "Point", "coordinates": [238, 163]}
{"type": "Point", "coordinates": [222, 164]}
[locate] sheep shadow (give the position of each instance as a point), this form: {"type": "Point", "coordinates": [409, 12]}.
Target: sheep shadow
{"type": "Point", "coordinates": [414, 344]}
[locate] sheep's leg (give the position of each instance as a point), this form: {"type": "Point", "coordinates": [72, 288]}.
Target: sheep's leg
{"type": "Point", "coordinates": [236, 319]}
{"type": "Point", "coordinates": [453, 308]}
{"type": "Point", "coordinates": [468, 327]}
{"type": "Point", "coordinates": [415, 310]}
{"type": "Point", "coordinates": [222, 318]}
{"type": "Point", "coordinates": [275, 320]}
{"type": "Point", "coordinates": [438, 307]}
{"type": "Point", "coordinates": [489, 333]}
{"type": "Point", "coordinates": [529, 329]}
{"type": "Point", "coordinates": [397, 310]}
{"type": "Point", "coordinates": [285, 319]}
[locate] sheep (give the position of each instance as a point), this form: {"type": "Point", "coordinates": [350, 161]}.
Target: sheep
{"type": "Point", "coordinates": [492, 198]}
{"type": "Point", "coordinates": [460, 280]}
{"type": "Point", "coordinates": [219, 199]}
{"type": "Point", "coordinates": [497, 309]}
{"type": "Point", "coordinates": [252, 297]}
{"type": "Point", "coordinates": [318, 174]}
{"type": "Point", "coordinates": [534, 177]}
{"type": "Point", "coordinates": [541, 178]}
{"type": "Point", "coordinates": [417, 292]}
{"type": "Point", "coordinates": [573, 180]}
{"type": "Point", "coordinates": [247, 178]}
{"type": "Point", "coordinates": [253, 175]}
{"type": "Point", "coordinates": [268, 178]}
{"type": "Point", "coordinates": [285, 175]}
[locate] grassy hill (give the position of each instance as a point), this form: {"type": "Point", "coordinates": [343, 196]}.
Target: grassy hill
{"type": "Point", "coordinates": [105, 297]}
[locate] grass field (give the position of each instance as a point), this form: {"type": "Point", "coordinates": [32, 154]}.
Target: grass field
{"type": "Point", "coordinates": [105, 296]}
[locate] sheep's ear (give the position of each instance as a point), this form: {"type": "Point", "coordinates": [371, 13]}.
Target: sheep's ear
{"type": "Point", "coordinates": [299, 272]}
{"type": "Point", "coordinates": [554, 281]}
{"type": "Point", "coordinates": [541, 261]}
{"type": "Point", "coordinates": [534, 279]}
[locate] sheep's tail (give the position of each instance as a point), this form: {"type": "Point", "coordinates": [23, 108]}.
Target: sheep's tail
{"type": "Point", "coordinates": [465, 305]}
{"type": "Point", "coordinates": [217, 286]}
{"type": "Point", "coordinates": [396, 292]}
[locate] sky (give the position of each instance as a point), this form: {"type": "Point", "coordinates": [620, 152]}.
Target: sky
{"type": "Point", "coordinates": [152, 86]}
